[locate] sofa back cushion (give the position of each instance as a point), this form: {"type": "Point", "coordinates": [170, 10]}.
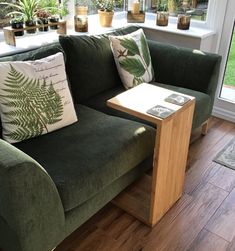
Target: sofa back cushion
{"type": "Point", "coordinates": [90, 64]}
{"type": "Point", "coordinates": [33, 54]}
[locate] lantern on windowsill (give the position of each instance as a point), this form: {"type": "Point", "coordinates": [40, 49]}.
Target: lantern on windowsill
{"type": "Point", "coordinates": [136, 11]}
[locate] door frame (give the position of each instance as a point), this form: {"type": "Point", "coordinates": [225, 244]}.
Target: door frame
{"type": "Point", "coordinates": [223, 108]}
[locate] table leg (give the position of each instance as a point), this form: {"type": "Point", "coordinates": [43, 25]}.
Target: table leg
{"type": "Point", "coordinates": [170, 157]}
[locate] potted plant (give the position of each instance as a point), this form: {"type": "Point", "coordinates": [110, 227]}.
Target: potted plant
{"type": "Point", "coordinates": [56, 10]}
{"type": "Point", "coordinates": [27, 9]}
{"type": "Point", "coordinates": [17, 22]}
{"type": "Point", "coordinates": [105, 12]}
{"type": "Point", "coordinates": [162, 13]}
{"type": "Point", "coordinates": [42, 19]}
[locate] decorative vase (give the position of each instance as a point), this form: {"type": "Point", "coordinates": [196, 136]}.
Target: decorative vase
{"type": "Point", "coordinates": [106, 18]}
{"type": "Point", "coordinates": [30, 23]}
{"type": "Point", "coordinates": [18, 25]}
{"type": "Point", "coordinates": [183, 22]}
{"type": "Point", "coordinates": [162, 18]}
{"type": "Point", "coordinates": [81, 19]}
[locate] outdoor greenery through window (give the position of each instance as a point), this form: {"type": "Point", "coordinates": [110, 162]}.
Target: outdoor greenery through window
{"type": "Point", "coordinates": [196, 8]}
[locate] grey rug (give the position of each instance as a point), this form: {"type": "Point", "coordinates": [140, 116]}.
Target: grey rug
{"type": "Point", "coordinates": [226, 156]}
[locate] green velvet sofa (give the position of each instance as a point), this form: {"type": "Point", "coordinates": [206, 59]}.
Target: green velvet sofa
{"type": "Point", "coordinates": [50, 185]}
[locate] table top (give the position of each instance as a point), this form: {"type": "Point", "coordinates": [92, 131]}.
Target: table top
{"type": "Point", "coordinates": [138, 100]}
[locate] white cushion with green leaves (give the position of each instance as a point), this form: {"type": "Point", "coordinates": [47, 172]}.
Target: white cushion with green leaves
{"type": "Point", "coordinates": [34, 98]}
{"type": "Point", "coordinates": [132, 57]}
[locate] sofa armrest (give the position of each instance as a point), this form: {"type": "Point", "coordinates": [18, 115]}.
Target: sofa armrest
{"type": "Point", "coordinates": [192, 69]}
{"type": "Point", "coordinates": [31, 212]}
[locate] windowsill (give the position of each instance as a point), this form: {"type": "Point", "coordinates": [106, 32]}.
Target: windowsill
{"type": "Point", "coordinates": [28, 42]}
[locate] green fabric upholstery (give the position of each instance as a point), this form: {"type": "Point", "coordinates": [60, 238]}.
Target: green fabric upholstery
{"type": "Point", "coordinates": [31, 211]}
{"type": "Point", "coordinates": [184, 67]}
{"type": "Point", "coordinates": [98, 102]}
{"type": "Point", "coordinates": [34, 54]}
{"type": "Point", "coordinates": [202, 107]}
{"type": "Point", "coordinates": [90, 64]}
{"type": "Point", "coordinates": [85, 166]}
{"type": "Point", "coordinates": [79, 215]}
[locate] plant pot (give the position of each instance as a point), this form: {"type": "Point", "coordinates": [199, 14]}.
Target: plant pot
{"type": "Point", "coordinates": [18, 25]}
{"type": "Point", "coordinates": [42, 21]}
{"type": "Point", "coordinates": [106, 18]}
{"type": "Point", "coordinates": [30, 23]}
{"type": "Point", "coordinates": [54, 20]}
{"type": "Point", "coordinates": [162, 18]}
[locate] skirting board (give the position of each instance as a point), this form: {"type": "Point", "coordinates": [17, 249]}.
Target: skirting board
{"type": "Point", "coordinates": [223, 114]}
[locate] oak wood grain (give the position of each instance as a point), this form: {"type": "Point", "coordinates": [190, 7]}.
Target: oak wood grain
{"type": "Point", "coordinates": [224, 178]}
{"type": "Point", "coordinates": [181, 232]}
{"type": "Point", "coordinates": [207, 241]}
{"type": "Point", "coordinates": [223, 222]}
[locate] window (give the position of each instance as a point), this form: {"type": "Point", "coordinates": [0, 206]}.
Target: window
{"type": "Point", "coordinates": [93, 5]}
{"type": "Point", "coordinates": [4, 9]}
{"type": "Point", "coordinates": [196, 8]}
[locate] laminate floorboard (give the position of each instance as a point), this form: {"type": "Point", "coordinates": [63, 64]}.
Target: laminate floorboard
{"type": "Point", "coordinates": [203, 219]}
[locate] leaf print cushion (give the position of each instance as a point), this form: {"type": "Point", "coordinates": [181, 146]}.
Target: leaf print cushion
{"type": "Point", "coordinates": [132, 57]}
{"type": "Point", "coordinates": [34, 98]}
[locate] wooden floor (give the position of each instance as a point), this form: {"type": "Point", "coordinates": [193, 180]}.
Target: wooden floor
{"type": "Point", "coordinates": [203, 219]}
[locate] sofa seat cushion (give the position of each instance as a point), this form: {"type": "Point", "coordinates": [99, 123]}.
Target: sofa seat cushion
{"type": "Point", "coordinates": [98, 102]}
{"type": "Point", "coordinates": [84, 158]}
{"type": "Point", "coordinates": [202, 106]}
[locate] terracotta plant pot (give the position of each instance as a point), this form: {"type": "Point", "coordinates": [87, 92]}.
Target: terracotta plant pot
{"type": "Point", "coordinates": [106, 18]}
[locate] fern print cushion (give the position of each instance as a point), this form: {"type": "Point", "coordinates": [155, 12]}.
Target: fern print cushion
{"type": "Point", "coordinates": [132, 57]}
{"type": "Point", "coordinates": [34, 98]}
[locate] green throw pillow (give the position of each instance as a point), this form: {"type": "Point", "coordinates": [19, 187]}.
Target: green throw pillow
{"type": "Point", "coordinates": [132, 57]}
{"type": "Point", "coordinates": [34, 98]}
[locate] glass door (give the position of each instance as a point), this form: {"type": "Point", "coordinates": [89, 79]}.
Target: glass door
{"type": "Point", "coordinates": [228, 88]}
{"type": "Point", "coordinates": [224, 106]}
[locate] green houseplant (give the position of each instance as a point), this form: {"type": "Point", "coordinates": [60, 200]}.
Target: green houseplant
{"type": "Point", "coordinates": [17, 22]}
{"type": "Point", "coordinates": [55, 9]}
{"type": "Point", "coordinates": [106, 12]}
{"type": "Point", "coordinates": [27, 9]}
{"type": "Point", "coordinates": [42, 19]}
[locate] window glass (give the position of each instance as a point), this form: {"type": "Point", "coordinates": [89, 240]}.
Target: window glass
{"type": "Point", "coordinates": [93, 5]}
{"type": "Point", "coordinates": [196, 8]}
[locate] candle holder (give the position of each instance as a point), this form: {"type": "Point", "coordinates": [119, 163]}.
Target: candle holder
{"type": "Point", "coordinates": [136, 11]}
{"type": "Point", "coordinates": [81, 19]}
{"type": "Point", "coordinates": [162, 18]}
{"type": "Point", "coordinates": [183, 21]}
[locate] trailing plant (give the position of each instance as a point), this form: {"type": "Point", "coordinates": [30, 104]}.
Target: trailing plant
{"type": "Point", "coordinates": [44, 105]}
